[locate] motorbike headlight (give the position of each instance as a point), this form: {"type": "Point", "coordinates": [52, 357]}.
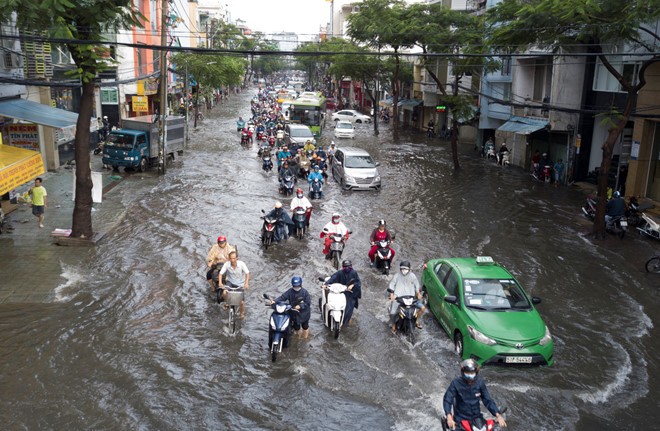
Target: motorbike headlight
{"type": "Point", "coordinates": [478, 336]}
{"type": "Point", "coordinates": [546, 338]}
{"type": "Point", "coordinates": [280, 308]}
{"type": "Point", "coordinates": [272, 324]}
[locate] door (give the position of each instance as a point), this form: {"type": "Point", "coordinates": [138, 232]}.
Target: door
{"type": "Point", "coordinates": [338, 167]}
{"type": "Point", "coordinates": [653, 186]}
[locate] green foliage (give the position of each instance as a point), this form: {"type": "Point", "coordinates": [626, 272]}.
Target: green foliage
{"type": "Point", "coordinates": [211, 70]}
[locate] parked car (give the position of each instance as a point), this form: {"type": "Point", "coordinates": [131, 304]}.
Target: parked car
{"type": "Point", "coordinates": [354, 169]}
{"type": "Point", "coordinates": [344, 129]}
{"type": "Point", "coordinates": [351, 115]}
{"type": "Point", "coordinates": [298, 133]}
{"type": "Point", "coordinates": [486, 312]}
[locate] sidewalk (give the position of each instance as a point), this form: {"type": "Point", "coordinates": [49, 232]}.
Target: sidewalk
{"type": "Point", "coordinates": [32, 265]}
{"type": "Point", "coordinates": [590, 188]}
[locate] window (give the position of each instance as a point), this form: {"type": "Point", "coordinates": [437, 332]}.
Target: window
{"type": "Point", "coordinates": [452, 284]}
{"type": "Point", "coordinates": [506, 66]}
{"type": "Point", "coordinates": [339, 156]}
{"type": "Point", "coordinates": [441, 271]}
{"type": "Point", "coordinates": [141, 140]}
{"type": "Point", "coordinates": [605, 81]}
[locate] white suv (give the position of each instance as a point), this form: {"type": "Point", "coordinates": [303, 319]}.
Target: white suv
{"type": "Point", "coordinates": [351, 115]}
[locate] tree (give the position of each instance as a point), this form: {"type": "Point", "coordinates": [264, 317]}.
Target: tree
{"type": "Point", "coordinates": [437, 28]}
{"type": "Point", "coordinates": [78, 21]}
{"type": "Point", "coordinates": [598, 26]}
{"type": "Point", "coordinates": [379, 24]}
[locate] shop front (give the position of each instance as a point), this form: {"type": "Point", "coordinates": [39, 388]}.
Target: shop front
{"type": "Point", "coordinates": [18, 166]}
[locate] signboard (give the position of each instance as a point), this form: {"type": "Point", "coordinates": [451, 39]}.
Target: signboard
{"type": "Point", "coordinates": [634, 150]}
{"type": "Point", "coordinates": [24, 136]}
{"type": "Point", "coordinates": [140, 103]}
{"type": "Point", "coordinates": [109, 96]}
{"type": "Point", "coordinates": [146, 87]}
{"type": "Point", "coordinates": [21, 172]}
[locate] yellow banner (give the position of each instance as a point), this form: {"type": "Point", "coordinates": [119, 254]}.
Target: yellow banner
{"type": "Point", "coordinates": [17, 167]}
{"type": "Point", "coordinates": [140, 103]}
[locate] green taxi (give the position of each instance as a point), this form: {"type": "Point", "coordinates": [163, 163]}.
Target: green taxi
{"type": "Point", "coordinates": [486, 312]}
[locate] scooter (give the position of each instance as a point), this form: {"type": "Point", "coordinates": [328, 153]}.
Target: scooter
{"type": "Point", "coordinates": [490, 151]}
{"type": "Point", "coordinates": [303, 172]}
{"type": "Point", "coordinates": [279, 329]}
{"type": "Point", "coordinates": [649, 226]}
{"type": "Point", "coordinates": [245, 138]}
{"type": "Point", "coordinates": [300, 221]}
{"type": "Point", "coordinates": [407, 317]}
{"type": "Point", "coordinates": [589, 207]}
{"type": "Point", "coordinates": [267, 231]}
{"type": "Point", "coordinates": [383, 258]}
{"type": "Point", "coordinates": [616, 225]}
{"type": "Point", "coordinates": [503, 158]}
{"type": "Point", "coordinates": [287, 187]}
{"type": "Point", "coordinates": [336, 248]}
{"type": "Point", "coordinates": [430, 132]}
{"type": "Point", "coordinates": [267, 163]}
{"type": "Point", "coordinates": [316, 189]}
{"type": "Point", "coordinates": [332, 305]}
{"type": "Point", "coordinates": [478, 424]}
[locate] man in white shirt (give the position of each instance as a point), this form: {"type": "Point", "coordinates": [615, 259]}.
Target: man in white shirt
{"type": "Point", "coordinates": [301, 201]}
{"type": "Point", "coordinates": [238, 275]}
{"type": "Point", "coordinates": [335, 226]}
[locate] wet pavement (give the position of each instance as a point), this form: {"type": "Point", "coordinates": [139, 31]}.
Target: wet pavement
{"type": "Point", "coordinates": [124, 336]}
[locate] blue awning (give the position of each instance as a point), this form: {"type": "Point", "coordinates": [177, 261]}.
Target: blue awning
{"type": "Point", "coordinates": [37, 113]}
{"type": "Point", "coordinates": [410, 103]}
{"type": "Point", "coordinates": [523, 125]}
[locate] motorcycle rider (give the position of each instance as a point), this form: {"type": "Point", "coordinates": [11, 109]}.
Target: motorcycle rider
{"type": "Point", "coordinates": [301, 201]}
{"type": "Point", "coordinates": [465, 393]}
{"type": "Point", "coordinates": [216, 257]}
{"type": "Point", "coordinates": [616, 207]}
{"type": "Point", "coordinates": [309, 146]}
{"type": "Point", "coordinates": [335, 226]}
{"type": "Point", "coordinates": [320, 153]}
{"type": "Point", "coordinates": [284, 224]}
{"type": "Point", "coordinates": [379, 234]}
{"type": "Point", "coordinates": [331, 151]}
{"type": "Point", "coordinates": [350, 278]}
{"type": "Point", "coordinates": [238, 275]}
{"type": "Point", "coordinates": [404, 283]}
{"type": "Point", "coordinates": [500, 154]}
{"type": "Point", "coordinates": [299, 299]}
{"type": "Point", "coordinates": [283, 172]}
{"type": "Point", "coordinates": [316, 173]}
{"type": "Point", "coordinates": [282, 156]}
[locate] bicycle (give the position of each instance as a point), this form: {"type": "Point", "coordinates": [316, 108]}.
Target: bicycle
{"type": "Point", "coordinates": [653, 264]}
{"type": "Point", "coordinates": [235, 296]}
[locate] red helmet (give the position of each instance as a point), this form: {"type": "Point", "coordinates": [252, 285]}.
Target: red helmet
{"type": "Point", "coordinates": [299, 191]}
{"type": "Point", "coordinates": [222, 238]}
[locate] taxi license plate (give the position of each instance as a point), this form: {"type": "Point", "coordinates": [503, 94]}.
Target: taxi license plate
{"type": "Point", "coordinates": [518, 360]}
{"type": "Point", "coordinates": [624, 223]}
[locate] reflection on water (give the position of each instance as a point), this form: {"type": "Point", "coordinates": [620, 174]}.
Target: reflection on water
{"type": "Point", "coordinates": [134, 342]}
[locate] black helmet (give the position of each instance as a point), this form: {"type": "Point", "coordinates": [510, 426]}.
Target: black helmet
{"type": "Point", "coordinates": [381, 223]}
{"type": "Point", "coordinates": [404, 264]}
{"type": "Point", "coordinates": [469, 370]}
{"type": "Point", "coordinates": [346, 263]}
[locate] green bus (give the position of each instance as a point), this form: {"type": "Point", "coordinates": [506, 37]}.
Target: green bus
{"type": "Point", "coordinates": [308, 111]}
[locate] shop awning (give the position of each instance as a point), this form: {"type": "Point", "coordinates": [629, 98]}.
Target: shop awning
{"type": "Point", "coordinates": [385, 102]}
{"type": "Point", "coordinates": [18, 166]}
{"type": "Point", "coordinates": [37, 113]}
{"type": "Point", "coordinates": [409, 104]}
{"type": "Point", "coordinates": [522, 125]}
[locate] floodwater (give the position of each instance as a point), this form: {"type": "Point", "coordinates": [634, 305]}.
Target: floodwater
{"type": "Point", "coordinates": [136, 343]}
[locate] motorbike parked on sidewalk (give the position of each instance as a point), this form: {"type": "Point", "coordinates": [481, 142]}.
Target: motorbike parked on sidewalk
{"type": "Point", "coordinates": [589, 207]}
{"type": "Point", "coordinates": [617, 225]}
{"type": "Point", "coordinates": [316, 189]}
{"type": "Point", "coordinates": [407, 317]}
{"type": "Point", "coordinates": [300, 221]}
{"type": "Point", "coordinates": [649, 226]}
{"type": "Point", "coordinates": [383, 258]}
{"type": "Point", "coordinates": [332, 305]}
{"type": "Point", "coordinates": [653, 264]}
{"type": "Point", "coordinates": [279, 327]}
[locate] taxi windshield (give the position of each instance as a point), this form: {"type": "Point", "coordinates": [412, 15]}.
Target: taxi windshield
{"type": "Point", "coordinates": [494, 295]}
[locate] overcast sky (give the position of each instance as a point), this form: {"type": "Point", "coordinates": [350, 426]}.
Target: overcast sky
{"type": "Point", "coordinates": [303, 17]}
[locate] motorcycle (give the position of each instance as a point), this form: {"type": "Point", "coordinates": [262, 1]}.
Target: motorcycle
{"type": "Point", "coordinates": [332, 305]}
{"type": "Point", "coordinates": [337, 245]}
{"type": "Point", "coordinates": [267, 163]}
{"type": "Point", "coordinates": [245, 138]}
{"type": "Point", "coordinates": [260, 135]}
{"type": "Point", "coordinates": [300, 221]}
{"type": "Point", "coordinates": [503, 158]}
{"type": "Point", "coordinates": [316, 189]}
{"type": "Point", "coordinates": [589, 207]}
{"type": "Point", "coordinates": [649, 226]}
{"type": "Point", "coordinates": [286, 188]}
{"type": "Point", "coordinates": [653, 264]}
{"type": "Point", "coordinates": [407, 317]}
{"type": "Point", "coordinates": [544, 174]}
{"type": "Point", "coordinates": [268, 231]}
{"type": "Point", "coordinates": [279, 329]}
{"type": "Point", "coordinates": [240, 125]}
{"type": "Point", "coordinates": [305, 166]}
{"type": "Point", "coordinates": [430, 132]}
{"type": "Point", "coordinates": [617, 225]}
{"type": "Point", "coordinates": [478, 424]}
{"type": "Point", "coordinates": [383, 258]}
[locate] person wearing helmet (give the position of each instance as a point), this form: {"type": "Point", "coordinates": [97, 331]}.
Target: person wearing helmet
{"type": "Point", "coordinates": [404, 283]}
{"type": "Point", "coordinates": [309, 146]}
{"type": "Point", "coordinates": [349, 278]}
{"type": "Point", "coordinates": [331, 151]}
{"type": "Point", "coordinates": [283, 172]}
{"type": "Point", "coordinates": [616, 207]}
{"type": "Point", "coordinates": [300, 300]}
{"type": "Point", "coordinates": [461, 401]}
{"type": "Point", "coordinates": [304, 164]}
{"type": "Point", "coordinates": [216, 257]}
{"type": "Point", "coordinates": [282, 156]}
{"type": "Point", "coordinates": [379, 234]}
{"type": "Point", "coordinates": [335, 226]}
{"type": "Point", "coordinates": [316, 173]}
{"type": "Point", "coordinates": [284, 224]}
{"type": "Point", "coordinates": [301, 201]}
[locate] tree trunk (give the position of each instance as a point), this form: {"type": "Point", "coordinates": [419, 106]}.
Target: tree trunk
{"type": "Point", "coordinates": [374, 102]}
{"type": "Point", "coordinates": [612, 137]}
{"type": "Point", "coordinates": [395, 99]}
{"type": "Point", "coordinates": [81, 225]}
{"type": "Point", "coordinates": [455, 130]}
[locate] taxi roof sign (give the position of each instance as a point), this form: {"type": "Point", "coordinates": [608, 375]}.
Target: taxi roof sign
{"type": "Point", "coordinates": [485, 260]}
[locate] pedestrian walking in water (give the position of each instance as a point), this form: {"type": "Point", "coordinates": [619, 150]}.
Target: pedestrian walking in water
{"type": "Point", "coordinates": [38, 193]}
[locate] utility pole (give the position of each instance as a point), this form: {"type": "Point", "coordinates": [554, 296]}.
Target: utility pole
{"type": "Point", "coordinates": [185, 92]}
{"type": "Point", "coordinates": [163, 89]}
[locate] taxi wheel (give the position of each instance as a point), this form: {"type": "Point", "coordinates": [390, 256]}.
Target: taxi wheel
{"type": "Point", "coordinates": [458, 344]}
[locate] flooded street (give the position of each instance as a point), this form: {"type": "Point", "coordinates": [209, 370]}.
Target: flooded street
{"type": "Point", "coordinates": [137, 343]}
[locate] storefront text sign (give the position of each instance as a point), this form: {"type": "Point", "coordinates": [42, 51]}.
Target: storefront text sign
{"type": "Point", "coordinates": [140, 104]}
{"type": "Point", "coordinates": [24, 136]}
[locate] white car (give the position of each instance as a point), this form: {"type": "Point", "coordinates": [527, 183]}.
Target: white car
{"type": "Point", "coordinates": [351, 115]}
{"type": "Point", "coordinates": [344, 129]}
